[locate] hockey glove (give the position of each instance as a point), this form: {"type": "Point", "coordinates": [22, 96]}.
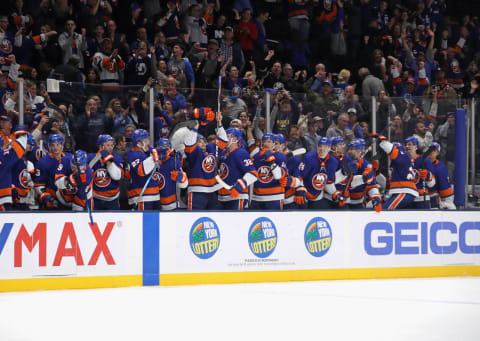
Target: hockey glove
{"type": "Point", "coordinates": [106, 156]}
{"type": "Point", "coordinates": [268, 157]}
{"type": "Point", "coordinates": [339, 198]}
{"type": "Point", "coordinates": [287, 181]}
{"type": "Point", "coordinates": [76, 179]}
{"type": "Point", "coordinates": [177, 176]}
{"type": "Point", "coordinates": [239, 187]}
{"type": "Point", "coordinates": [377, 204]}
{"type": "Point", "coordinates": [377, 136]}
{"type": "Point", "coordinates": [155, 154]}
{"type": "Point", "coordinates": [48, 201]}
{"type": "Point", "coordinates": [300, 196]}
{"type": "Point", "coordinates": [367, 176]}
{"type": "Point", "coordinates": [425, 175]}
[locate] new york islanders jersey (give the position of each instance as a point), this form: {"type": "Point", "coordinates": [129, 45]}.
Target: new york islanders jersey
{"type": "Point", "coordinates": [292, 166]}
{"type": "Point", "coordinates": [45, 169]}
{"type": "Point", "coordinates": [166, 186]}
{"type": "Point", "coordinates": [267, 187]}
{"type": "Point", "coordinates": [442, 185]}
{"type": "Point", "coordinates": [235, 165]}
{"type": "Point", "coordinates": [318, 175]}
{"type": "Point", "coordinates": [401, 173]}
{"type": "Point", "coordinates": [8, 160]}
{"type": "Point", "coordinates": [22, 178]}
{"type": "Point", "coordinates": [201, 177]}
{"type": "Point", "coordinates": [73, 196]}
{"type": "Point", "coordinates": [418, 165]}
{"type": "Point", "coordinates": [137, 161]}
{"type": "Point", "coordinates": [106, 178]}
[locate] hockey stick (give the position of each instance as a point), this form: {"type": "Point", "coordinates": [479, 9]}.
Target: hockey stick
{"type": "Point", "coordinates": [146, 183]}
{"type": "Point", "coordinates": [424, 156]}
{"type": "Point", "coordinates": [94, 160]}
{"type": "Point", "coordinates": [78, 169]}
{"type": "Point", "coordinates": [223, 183]}
{"type": "Point", "coordinates": [218, 107]}
{"type": "Point", "coordinates": [296, 152]}
{"type": "Point", "coordinates": [349, 177]}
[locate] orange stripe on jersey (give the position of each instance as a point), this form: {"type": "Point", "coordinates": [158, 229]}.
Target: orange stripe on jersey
{"type": "Point", "coordinates": [79, 201]}
{"type": "Point", "coordinates": [168, 200]}
{"type": "Point", "coordinates": [221, 144]}
{"type": "Point", "coordinates": [355, 195]}
{"type": "Point", "coordinates": [201, 182]}
{"type": "Point", "coordinates": [17, 147]}
{"type": "Point", "coordinates": [395, 203]}
{"type": "Point", "coordinates": [5, 191]}
{"type": "Point", "coordinates": [137, 191]}
{"type": "Point", "coordinates": [400, 184]}
{"type": "Point", "coordinates": [140, 170]}
{"type": "Point", "coordinates": [223, 191]}
{"type": "Point", "coordinates": [190, 149]}
{"type": "Point", "coordinates": [266, 191]}
{"type": "Point", "coordinates": [190, 196]}
{"type": "Point", "coordinates": [22, 191]}
{"type": "Point", "coordinates": [109, 193]}
{"type": "Point", "coordinates": [58, 176]}
{"type": "Point", "coordinates": [446, 192]}
{"type": "Point", "coordinates": [394, 153]}
{"type": "Point", "coordinates": [290, 192]}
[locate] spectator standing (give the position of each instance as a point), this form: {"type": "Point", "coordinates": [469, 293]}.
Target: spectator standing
{"type": "Point", "coordinates": [73, 43]}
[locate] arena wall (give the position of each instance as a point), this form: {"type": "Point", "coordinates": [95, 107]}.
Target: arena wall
{"type": "Point", "coordinates": [64, 251]}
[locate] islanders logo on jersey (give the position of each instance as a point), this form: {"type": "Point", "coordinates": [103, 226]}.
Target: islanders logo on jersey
{"type": "Point", "coordinates": [319, 181]}
{"type": "Point", "coordinates": [101, 178]}
{"type": "Point", "coordinates": [23, 178]}
{"type": "Point", "coordinates": [159, 178]}
{"type": "Point", "coordinates": [204, 238]}
{"type": "Point", "coordinates": [223, 171]}
{"type": "Point", "coordinates": [6, 46]}
{"type": "Point", "coordinates": [265, 175]}
{"type": "Point", "coordinates": [208, 163]}
{"type": "Point", "coordinates": [318, 237]}
{"type": "Point", "coordinates": [262, 237]}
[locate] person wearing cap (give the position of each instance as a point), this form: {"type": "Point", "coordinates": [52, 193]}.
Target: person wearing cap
{"type": "Point", "coordinates": [181, 69]}
{"type": "Point", "coordinates": [231, 50]}
{"type": "Point", "coordinates": [209, 70]}
{"type": "Point", "coordinates": [441, 194]}
{"type": "Point", "coordinates": [354, 124]}
{"type": "Point", "coordinates": [10, 154]}
{"type": "Point", "coordinates": [317, 173]}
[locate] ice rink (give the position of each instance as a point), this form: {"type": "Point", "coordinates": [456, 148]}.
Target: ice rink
{"type": "Point", "coordinates": [404, 309]}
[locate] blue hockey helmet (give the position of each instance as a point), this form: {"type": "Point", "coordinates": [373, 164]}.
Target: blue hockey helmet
{"type": "Point", "coordinates": [235, 132]}
{"type": "Point", "coordinates": [139, 135]}
{"type": "Point", "coordinates": [412, 139]}
{"type": "Point", "coordinates": [268, 136]}
{"type": "Point", "coordinates": [104, 138]}
{"type": "Point", "coordinates": [362, 142]}
{"type": "Point", "coordinates": [53, 138]}
{"type": "Point", "coordinates": [436, 145]}
{"type": "Point", "coordinates": [324, 141]}
{"type": "Point", "coordinates": [163, 142]}
{"type": "Point", "coordinates": [80, 159]}
{"type": "Point", "coordinates": [280, 138]}
{"type": "Point", "coordinates": [354, 145]}
{"type": "Point", "coordinates": [336, 140]}
{"type": "Point", "coordinates": [30, 140]}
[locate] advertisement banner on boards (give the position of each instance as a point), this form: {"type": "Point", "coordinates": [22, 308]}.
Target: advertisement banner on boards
{"type": "Point", "coordinates": [267, 241]}
{"type": "Point", "coordinates": [65, 244]}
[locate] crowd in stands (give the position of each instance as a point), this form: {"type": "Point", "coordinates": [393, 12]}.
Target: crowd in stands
{"type": "Point", "coordinates": [317, 63]}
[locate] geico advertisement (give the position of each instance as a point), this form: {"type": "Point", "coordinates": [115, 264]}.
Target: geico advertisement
{"type": "Point", "coordinates": [250, 241]}
{"type": "Point", "coordinates": [418, 238]}
{"type": "Point", "coordinates": [63, 244]}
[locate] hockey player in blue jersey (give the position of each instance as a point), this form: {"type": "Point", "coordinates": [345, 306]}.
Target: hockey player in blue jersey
{"type": "Point", "coordinates": [402, 189]}
{"type": "Point", "coordinates": [44, 179]}
{"type": "Point", "coordinates": [362, 187]}
{"type": "Point", "coordinates": [317, 171]}
{"type": "Point", "coordinates": [442, 192]}
{"type": "Point", "coordinates": [424, 177]}
{"type": "Point", "coordinates": [107, 169]}
{"type": "Point", "coordinates": [10, 154]}
{"type": "Point", "coordinates": [169, 174]}
{"type": "Point", "coordinates": [22, 182]}
{"type": "Point", "coordinates": [236, 169]}
{"type": "Point", "coordinates": [289, 182]}
{"type": "Point", "coordinates": [271, 166]}
{"type": "Point", "coordinates": [142, 160]}
{"type": "Point", "coordinates": [74, 182]}
{"type": "Point", "coordinates": [201, 157]}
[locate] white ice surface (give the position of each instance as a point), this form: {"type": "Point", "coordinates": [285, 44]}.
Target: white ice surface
{"type": "Point", "coordinates": [406, 309]}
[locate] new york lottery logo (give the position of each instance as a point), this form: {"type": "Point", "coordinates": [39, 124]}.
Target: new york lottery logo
{"type": "Point", "coordinates": [318, 237]}
{"type": "Point", "coordinates": [262, 237]}
{"type": "Point", "coordinates": [204, 238]}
